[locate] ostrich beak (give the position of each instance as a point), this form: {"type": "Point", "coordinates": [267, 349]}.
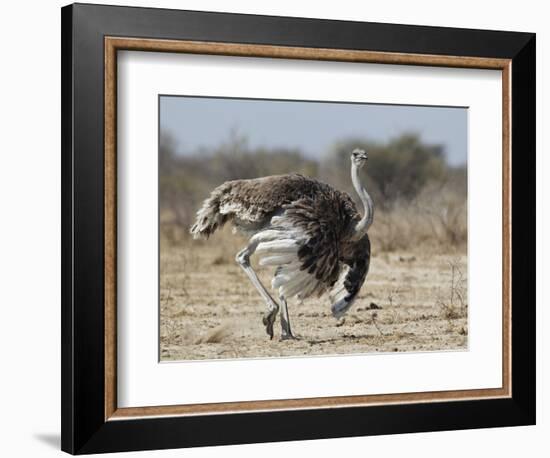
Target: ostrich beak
{"type": "Point", "coordinates": [359, 155]}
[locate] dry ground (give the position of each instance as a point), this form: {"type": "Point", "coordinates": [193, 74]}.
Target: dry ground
{"type": "Point", "coordinates": [209, 309]}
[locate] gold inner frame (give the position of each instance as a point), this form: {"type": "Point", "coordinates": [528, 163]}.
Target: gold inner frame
{"type": "Point", "coordinates": [112, 45]}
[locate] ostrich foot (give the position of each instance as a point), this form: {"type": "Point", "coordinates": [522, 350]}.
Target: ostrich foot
{"type": "Point", "coordinates": [286, 332]}
{"type": "Point", "coordinates": [288, 336]}
{"type": "Point", "coordinates": [269, 320]}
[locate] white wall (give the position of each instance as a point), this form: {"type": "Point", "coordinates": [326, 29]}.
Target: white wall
{"type": "Point", "coordinates": [30, 227]}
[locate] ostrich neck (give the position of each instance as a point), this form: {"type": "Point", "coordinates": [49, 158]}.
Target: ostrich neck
{"type": "Point", "coordinates": [363, 225]}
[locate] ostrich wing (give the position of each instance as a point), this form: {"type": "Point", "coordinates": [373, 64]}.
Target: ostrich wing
{"type": "Point", "coordinates": [351, 278]}
{"type": "Point", "coordinates": [320, 224]}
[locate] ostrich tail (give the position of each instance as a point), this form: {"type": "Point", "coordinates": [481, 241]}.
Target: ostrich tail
{"type": "Point", "coordinates": [208, 218]}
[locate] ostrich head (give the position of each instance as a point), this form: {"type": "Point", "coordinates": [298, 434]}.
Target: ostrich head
{"type": "Point", "coordinates": [359, 157]}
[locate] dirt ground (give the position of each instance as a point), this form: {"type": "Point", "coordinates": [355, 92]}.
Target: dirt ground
{"type": "Point", "coordinates": [411, 301]}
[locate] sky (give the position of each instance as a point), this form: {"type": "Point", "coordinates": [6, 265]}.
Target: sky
{"type": "Point", "coordinates": [313, 127]}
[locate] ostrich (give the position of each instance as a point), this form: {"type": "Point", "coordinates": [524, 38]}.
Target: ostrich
{"type": "Point", "coordinates": [310, 232]}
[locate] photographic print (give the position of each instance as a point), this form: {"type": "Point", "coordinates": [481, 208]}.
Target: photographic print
{"type": "Point", "coordinates": [302, 228]}
{"type": "Point", "coordinates": [240, 204]}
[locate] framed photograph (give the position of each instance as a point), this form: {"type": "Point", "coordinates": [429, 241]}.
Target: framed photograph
{"type": "Point", "coordinates": [281, 228]}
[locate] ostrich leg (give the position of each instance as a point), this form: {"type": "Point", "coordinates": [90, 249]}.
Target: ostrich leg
{"type": "Point", "coordinates": [243, 258]}
{"type": "Point", "coordinates": [285, 320]}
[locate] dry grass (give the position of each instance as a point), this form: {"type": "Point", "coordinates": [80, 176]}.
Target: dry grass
{"type": "Point", "coordinates": [436, 220]}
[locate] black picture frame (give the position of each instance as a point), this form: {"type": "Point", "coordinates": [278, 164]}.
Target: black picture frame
{"type": "Point", "coordinates": [84, 428]}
